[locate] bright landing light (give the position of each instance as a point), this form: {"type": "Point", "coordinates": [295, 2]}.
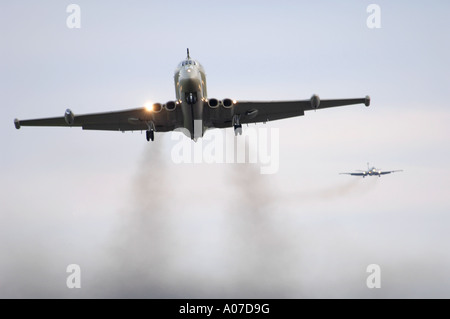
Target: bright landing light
{"type": "Point", "coordinates": [148, 106]}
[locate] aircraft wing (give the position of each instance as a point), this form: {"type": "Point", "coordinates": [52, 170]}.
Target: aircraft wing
{"type": "Point", "coordinates": [126, 120]}
{"type": "Point", "coordinates": [389, 172]}
{"type": "Point", "coordinates": [263, 111]}
{"type": "Point", "coordinates": [354, 174]}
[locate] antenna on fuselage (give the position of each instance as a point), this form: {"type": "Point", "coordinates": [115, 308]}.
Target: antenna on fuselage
{"type": "Point", "coordinates": [188, 54]}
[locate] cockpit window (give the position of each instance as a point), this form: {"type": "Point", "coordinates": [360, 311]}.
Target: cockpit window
{"type": "Point", "coordinates": [188, 62]}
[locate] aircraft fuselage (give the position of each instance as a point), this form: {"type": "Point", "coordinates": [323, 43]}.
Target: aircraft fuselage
{"type": "Point", "coordinates": [191, 93]}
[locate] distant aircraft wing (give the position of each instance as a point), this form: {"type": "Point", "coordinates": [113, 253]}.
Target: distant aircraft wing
{"type": "Point", "coordinates": [263, 111]}
{"type": "Point", "coordinates": [354, 174]}
{"type": "Point", "coordinates": [389, 172]}
{"type": "Point", "coordinates": [126, 120]}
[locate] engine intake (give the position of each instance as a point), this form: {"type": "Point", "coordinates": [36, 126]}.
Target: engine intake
{"type": "Point", "coordinates": [69, 117]}
{"type": "Point", "coordinates": [213, 103]}
{"type": "Point", "coordinates": [171, 106]}
{"type": "Point", "coordinates": [227, 103]}
{"type": "Point", "coordinates": [157, 107]}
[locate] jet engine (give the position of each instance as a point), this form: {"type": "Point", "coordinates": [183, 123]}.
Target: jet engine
{"type": "Point", "coordinates": [157, 107]}
{"type": "Point", "coordinates": [213, 103]}
{"type": "Point", "coordinates": [171, 106]}
{"type": "Point", "coordinates": [227, 103]}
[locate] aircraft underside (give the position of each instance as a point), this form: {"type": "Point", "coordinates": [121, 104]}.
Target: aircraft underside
{"type": "Point", "coordinates": [192, 111]}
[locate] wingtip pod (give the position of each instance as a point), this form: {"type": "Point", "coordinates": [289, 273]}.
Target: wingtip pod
{"type": "Point", "coordinates": [367, 101]}
{"type": "Point", "coordinates": [17, 123]}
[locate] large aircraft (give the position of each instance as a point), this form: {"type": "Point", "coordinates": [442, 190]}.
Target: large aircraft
{"type": "Point", "coordinates": [192, 111]}
{"type": "Point", "coordinates": [371, 172]}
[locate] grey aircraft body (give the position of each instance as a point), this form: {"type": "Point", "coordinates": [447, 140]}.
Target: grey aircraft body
{"type": "Point", "coordinates": [371, 172]}
{"type": "Point", "coordinates": [192, 112]}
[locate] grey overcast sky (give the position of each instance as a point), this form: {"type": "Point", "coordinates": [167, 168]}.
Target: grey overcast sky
{"type": "Point", "coordinates": [140, 225]}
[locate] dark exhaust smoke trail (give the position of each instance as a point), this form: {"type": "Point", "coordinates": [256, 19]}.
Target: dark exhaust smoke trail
{"type": "Point", "coordinates": [140, 251]}
{"type": "Point", "coordinates": [260, 255]}
{"type": "Point", "coordinates": [260, 248]}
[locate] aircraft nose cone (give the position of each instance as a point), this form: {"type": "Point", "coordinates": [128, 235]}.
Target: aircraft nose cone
{"type": "Point", "coordinates": [188, 72]}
